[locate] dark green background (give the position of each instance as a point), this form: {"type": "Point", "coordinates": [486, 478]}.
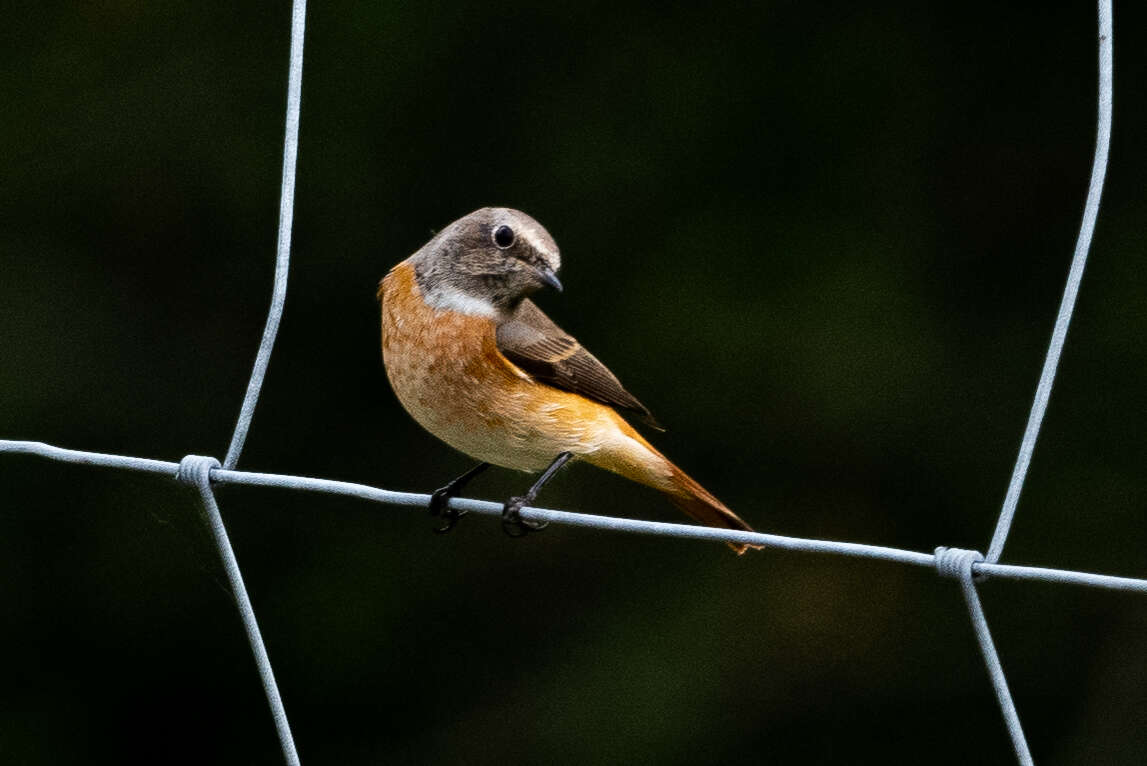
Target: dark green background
{"type": "Point", "coordinates": [824, 242]}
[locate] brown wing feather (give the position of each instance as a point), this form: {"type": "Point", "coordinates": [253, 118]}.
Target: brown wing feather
{"type": "Point", "coordinates": [532, 341]}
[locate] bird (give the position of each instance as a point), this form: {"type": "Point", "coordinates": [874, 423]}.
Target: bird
{"type": "Point", "coordinates": [476, 363]}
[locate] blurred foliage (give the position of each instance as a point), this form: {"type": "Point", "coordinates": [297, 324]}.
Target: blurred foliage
{"type": "Point", "coordinates": [823, 242]}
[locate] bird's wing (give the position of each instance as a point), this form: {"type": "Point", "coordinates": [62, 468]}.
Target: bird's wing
{"type": "Point", "coordinates": [532, 341]}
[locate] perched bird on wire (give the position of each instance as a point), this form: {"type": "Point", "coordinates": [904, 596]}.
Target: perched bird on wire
{"type": "Point", "coordinates": [479, 365]}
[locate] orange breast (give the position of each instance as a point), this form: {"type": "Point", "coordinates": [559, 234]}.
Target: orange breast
{"type": "Point", "coordinates": [447, 371]}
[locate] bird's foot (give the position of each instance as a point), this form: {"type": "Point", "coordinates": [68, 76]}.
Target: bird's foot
{"type": "Point", "coordinates": [440, 500]}
{"type": "Point", "coordinates": [439, 506]}
{"type": "Point", "coordinates": [512, 522]}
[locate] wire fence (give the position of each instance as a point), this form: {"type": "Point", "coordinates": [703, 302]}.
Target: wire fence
{"type": "Point", "coordinates": [968, 567]}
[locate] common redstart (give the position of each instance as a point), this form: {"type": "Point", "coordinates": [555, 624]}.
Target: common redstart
{"type": "Point", "coordinates": [479, 365]}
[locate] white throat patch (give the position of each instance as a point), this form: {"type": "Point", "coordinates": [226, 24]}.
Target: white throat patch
{"type": "Point", "coordinates": [449, 299]}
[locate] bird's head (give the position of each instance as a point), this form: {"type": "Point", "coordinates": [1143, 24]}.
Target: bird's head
{"type": "Point", "coordinates": [485, 263]}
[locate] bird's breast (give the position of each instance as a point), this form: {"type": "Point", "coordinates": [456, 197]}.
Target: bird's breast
{"type": "Point", "coordinates": [447, 371]}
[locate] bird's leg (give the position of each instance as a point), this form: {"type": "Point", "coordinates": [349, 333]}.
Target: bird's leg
{"type": "Point", "coordinates": [439, 501]}
{"type": "Point", "coordinates": [512, 522]}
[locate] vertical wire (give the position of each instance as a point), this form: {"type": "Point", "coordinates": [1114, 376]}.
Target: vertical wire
{"type": "Point", "coordinates": [1067, 305]}
{"type": "Point", "coordinates": [283, 249]}
{"type": "Point", "coordinates": [197, 470]}
{"type": "Point", "coordinates": [995, 670]}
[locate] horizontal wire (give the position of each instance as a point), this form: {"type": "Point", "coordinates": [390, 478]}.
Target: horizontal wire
{"type": "Point", "coordinates": [1061, 577]}
{"type": "Point", "coordinates": [39, 449]}
{"type": "Point", "coordinates": [570, 518]}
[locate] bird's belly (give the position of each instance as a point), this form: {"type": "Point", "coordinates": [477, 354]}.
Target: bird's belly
{"type": "Point", "coordinates": [492, 419]}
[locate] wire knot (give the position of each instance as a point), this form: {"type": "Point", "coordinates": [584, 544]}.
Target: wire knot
{"type": "Point", "coordinates": [195, 470]}
{"type": "Point", "coordinates": [956, 562]}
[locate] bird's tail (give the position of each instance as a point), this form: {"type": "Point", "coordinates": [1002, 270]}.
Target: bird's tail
{"type": "Point", "coordinates": [641, 462]}
{"type": "Point", "coordinates": [697, 503]}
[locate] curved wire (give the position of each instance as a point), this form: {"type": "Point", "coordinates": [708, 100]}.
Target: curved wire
{"type": "Point", "coordinates": [283, 249]}
{"type": "Point", "coordinates": [1067, 304]}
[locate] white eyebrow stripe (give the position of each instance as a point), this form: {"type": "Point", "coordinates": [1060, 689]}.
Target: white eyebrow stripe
{"type": "Point", "coordinates": [537, 244]}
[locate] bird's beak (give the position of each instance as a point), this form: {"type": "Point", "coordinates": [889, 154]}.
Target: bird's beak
{"type": "Point", "coordinates": [549, 278]}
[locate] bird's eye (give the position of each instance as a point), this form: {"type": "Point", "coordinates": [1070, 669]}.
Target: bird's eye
{"type": "Point", "coordinates": [503, 236]}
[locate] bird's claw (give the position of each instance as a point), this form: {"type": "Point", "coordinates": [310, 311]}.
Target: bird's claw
{"type": "Point", "coordinates": [439, 506]}
{"type": "Point", "coordinates": [512, 522]}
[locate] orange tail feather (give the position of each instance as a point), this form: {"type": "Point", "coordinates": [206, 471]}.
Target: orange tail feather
{"type": "Point", "coordinates": [637, 460]}
{"type": "Point", "coordinates": [696, 502]}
